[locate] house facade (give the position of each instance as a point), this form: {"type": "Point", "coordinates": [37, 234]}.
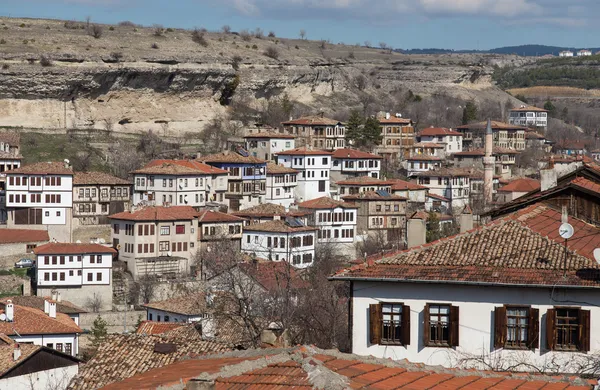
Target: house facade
{"type": "Point", "coordinates": [40, 196]}
{"type": "Point", "coordinates": [415, 194]}
{"type": "Point", "coordinates": [96, 195]}
{"type": "Point", "coordinates": [450, 183]}
{"type": "Point", "coordinates": [281, 240]}
{"type": "Point", "coordinates": [516, 189]}
{"type": "Point", "coordinates": [505, 160]}
{"type": "Point", "coordinates": [505, 135]}
{"type": "Point", "coordinates": [314, 168]}
{"type": "Point", "coordinates": [190, 309]}
{"type": "Point", "coordinates": [156, 240]}
{"type": "Point", "coordinates": [422, 163]}
{"type": "Point", "coordinates": [528, 116]}
{"type": "Point", "coordinates": [281, 185]}
{"type": "Point", "coordinates": [397, 136]}
{"type": "Point", "coordinates": [440, 305]}
{"type": "Point", "coordinates": [80, 272]}
{"type": "Point", "coordinates": [179, 183]}
{"type": "Point", "coordinates": [247, 180]}
{"type": "Point", "coordinates": [266, 145]}
{"type": "Point", "coordinates": [317, 132]}
{"type": "Point", "coordinates": [451, 139]}
{"type": "Point", "coordinates": [348, 163]}
{"type": "Point", "coordinates": [215, 227]}
{"type": "Point", "coordinates": [269, 212]}
{"type": "Point", "coordinates": [10, 158]}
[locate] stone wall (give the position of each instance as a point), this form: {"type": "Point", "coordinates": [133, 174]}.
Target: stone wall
{"type": "Point", "coordinates": [117, 321]}
{"type": "Point", "coordinates": [81, 296]}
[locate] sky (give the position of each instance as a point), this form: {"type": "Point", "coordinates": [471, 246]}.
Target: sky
{"type": "Point", "coordinates": [403, 24]}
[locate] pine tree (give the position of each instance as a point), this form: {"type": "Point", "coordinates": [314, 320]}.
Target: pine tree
{"type": "Point", "coordinates": [433, 227]}
{"type": "Point", "coordinates": [469, 113]}
{"type": "Point", "coordinates": [371, 132]}
{"type": "Point", "coordinates": [354, 128]}
{"type": "Point", "coordinates": [550, 107]}
{"type": "Point", "coordinates": [98, 331]}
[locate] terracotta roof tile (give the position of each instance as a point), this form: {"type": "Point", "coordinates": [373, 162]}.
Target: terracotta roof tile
{"type": "Point", "coordinates": [60, 248]}
{"type": "Point", "coordinates": [10, 155]}
{"type": "Point", "coordinates": [423, 157]}
{"type": "Point", "coordinates": [528, 108]}
{"type": "Point", "coordinates": [394, 120]}
{"type": "Point", "coordinates": [325, 202]}
{"type": "Point", "coordinates": [158, 213]}
{"type": "Point", "coordinates": [521, 185]}
{"type": "Point", "coordinates": [29, 321]}
{"type": "Point", "coordinates": [230, 157]}
{"type": "Point", "coordinates": [495, 126]}
{"type": "Point", "coordinates": [402, 185]}
{"type": "Point", "coordinates": [447, 172]}
{"type": "Point", "coordinates": [533, 135]}
{"type": "Point", "coordinates": [313, 120]}
{"type": "Point", "coordinates": [428, 145]}
{"type": "Point", "coordinates": [438, 197]}
{"type": "Point", "coordinates": [154, 328]}
{"type": "Point", "coordinates": [10, 236]}
{"type": "Point", "coordinates": [587, 184]}
{"type": "Point", "coordinates": [209, 216]}
{"type": "Point", "coordinates": [372, 195]}
{"type": "Point", "coordinates": [36, 302]}
{"type": "Point", "coordinates": [363, 181]}
{"type": "Point", "coordinates": [179, 167]}
{"type": "Point", "coordinates": [273, 275]}
{"type": "Point", "coordinates": [438, 132]}
{"type": "Point", "coordinates": [278, 226]}
{"type": "Point", "coordinates": [43, 168]}
{"type": "Point", "coordinates": [263, 209]}
{"type": "Point", "coordinates": [304, 151]}
{"type": "Point", "coordinates": [270, 135]}
{"type": "Point", "coordinates": [353, 154]}
{"type": "Point", "coordinates": [481, 152]}
{"type": "Point", "coordinates": [192, 304]}
{"type": "Point", "coordinates": [12, 137]}
{"type": "Point", "coordinates": [7, 361]}
{"type": "Point", "coordinates": [274, 169]}
{"type": "Point", "coordinates": [97, 178]}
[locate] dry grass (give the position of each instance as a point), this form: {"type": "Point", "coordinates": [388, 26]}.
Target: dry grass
{"type": "Point", "coordinates": [544, 92]}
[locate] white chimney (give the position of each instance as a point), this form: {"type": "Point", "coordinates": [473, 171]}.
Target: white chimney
{"type": "Point", "coordinates": [58, 298]}
{"type": "Point", "coordinates": [52, 309]}
{"type": "Point", "coordinates": [10, 311]}
{"type": "Point", "coordinates": [387, 115]}
{"type": "Point", "coordinates": [53, 295]}
{"type": "Point", "coordinates": [16, 352]}
{"type": "Point", "coordinates": [46, 306]}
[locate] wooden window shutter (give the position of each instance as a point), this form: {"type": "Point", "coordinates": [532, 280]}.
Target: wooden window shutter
{"type": "Point", "coordinates": [584, 330]}
{"type": "Point", "coordinates": [405, 325]}
{"type": "Point", "coordinates": [533, 336]}
{"type": "Point", "coordinates": [454, 326]}
{"type": "Point", "coordinates": [550, 329]}
{"type": "Point", "coordinates": [375, 322]}
{"type": "Point", "coordinates": [499, 327]}
{"type": "Point", "coordinates": [426, 326]}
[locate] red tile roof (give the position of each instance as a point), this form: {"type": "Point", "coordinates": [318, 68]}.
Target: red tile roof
{"type": "Point", "coordinates": [524, 184]}
{"type": "Point", "coordinates": [12, 137]}
{"type": "Point", "coordinates": [274, 169]}
{"type": "Point", "coordinates": [273, 275]}
{"type": "Point", "coordinates": [448, 172]}
{"type": "Point", "coordinates": [394, 120]}
{"type": "Point", "coordinates": [216, 216]}
{"type": "Point", "coordinates": [438, 197]}
{"type": "Point", "coordinates": [362, 181]}
{"type": "Point", "coordinates": [324, 202]}
{"type": "Point", "coordinates": [191, 304]}
{"type": "Point", "coordinates": [428, 145]}
{"type": "Point", "coordinates": [353, 154]}
{"type": "Point", "coordinates": [423, 157]}
{"type": "Point", "coordinates": [495, 126]}
{"type": "Point", "coordinates": [43, 168]}
{"type": "Point", "coordinates": [533, 135]}
{"type": "Point", "coordinates": [313, 120]}
{"type": "Point", "coordinates": [230, 157]}
{"type": "Point", "coordinates": [372, 195]}
{"type": "Point", "coordinates": [523, 248]}
{"type": "Point", "coordinates": [269, 210]}
{"type": "Point", "coordinates": [158, 213]}
{"type": "Point", "coordinates": [97, 178]}
{"type": "Point", "coordinates": [481, 152]}
{"type": "Point", "coordinates": [36, 302]}
{"type": "Point", "coordinates": [277, 226]}
{"type": "Point", "coordinates": [438, 132]}
{"type": "Point", "coordinates": [304, 151]}
{"type": "Point", "coordinates": [589, 185]}
{"type": "Point", "coordinates": [63, 248]}
{"type": "Point", "coordinates": [305, 367]}
{"type": "Point", "coordinates": [7, 361]}
{"type": "Point", "coordinates": [12, 236]}
{"type": "Point", "coordinates": [270, 135]}
{"type": "Point", "coordinates": [179, 167]}
{"type": "Point", "coordinates": [29, 321]}
{"type": "Point", "coordinates": [402, 185]}
{"type": "Point", "coordinates": [152, 327]}
{"type": "Point", "coordinates": [528, 108]}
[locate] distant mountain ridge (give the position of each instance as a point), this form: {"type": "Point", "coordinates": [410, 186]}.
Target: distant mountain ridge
{"type": "Point", "coordinates": [522, 50]}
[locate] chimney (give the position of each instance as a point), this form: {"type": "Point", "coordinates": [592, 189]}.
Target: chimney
{"type": "Point", "coordinates": [549, 179]}
{"type": "Point", "coordinates": [415, 232]}
{"type": "Point", "coordinates": [387, 115]}
{"type": "Point", "coordinates": [52, 309]}
{"type": "Point", "coordinates": [58, 298]}
{"type": "Point", "coordinates": [488, 166]}
{"type": "Point", "coordinates": [10, 311]}
{"type": "Point", "coordinates": [466, 219]}
{"type": "Point", "coordinates": [53, 294]}
{"type": "Point", "coordinates": [17, 352]}
{"type": "Point", "coordinates": [46, 306]}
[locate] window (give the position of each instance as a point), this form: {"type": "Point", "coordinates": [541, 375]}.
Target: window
{"type": "Point", "coordinates": [388, 324]}
{"type": "Point", "coordinates": [62, 276]}
{"type": "Point", "coordinates": [568, 329]}
{"type": "Point", "coordinates": [90, 276]}
{"type": "Point", "coordinates": [516, 327]}
{"type": "Point", "coordinates": [30, 247]}
{"type": "Point", "coordinates": [46, 276]}
{"type": "Point", "coordinates": [98, 276]}
{"type": "Point", "coordinates": [180, 229]}
{"type": "Point", "coordinates": [321, 185]}
{"type": "Point", "coordinates": [441, 325]}
{"type": "Point", "coordinates": [69, 348]}
{"type": "Point", "coordinates": [165, 230]}
{"type": "Point", "coordinates": [71, 273]}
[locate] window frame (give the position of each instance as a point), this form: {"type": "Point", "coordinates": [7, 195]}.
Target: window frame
{"type": "Point", "coordinates": [376, 324]}
{"type": "Point", "coordinates": [501, 328]}
{"type": "Point", "coordinates": [583, 329]}
{"type": "Point", "coordinates": [453, 326]}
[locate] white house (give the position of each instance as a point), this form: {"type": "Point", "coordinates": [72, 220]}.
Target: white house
{"type": "Point", "coordinates": [40, 196]}
{"type": "Point", "coordinates": [281, 240]}
{"type": "Point", "coordinates": [46, 327]}
{"type": "Point", "coordinates": [10, 158]}
{"type": "Point", "coordinates": [179, 183]}
{"type": "Point", "coordinates": [566, 53]}
{"type": "Point", "coordinates": [281, 184]}
{"type": "Point", "coordinates": [517, 188]}
{"type": "Point", "coordinates": [450, 183]}
{"type": "Point", "coordinates": [584, 53]}
{"type": "Point", "coordinates": [78, 271]}
{"type": "Point", "coordinates": [528, 116]}
{"type": "Point", "coordinates": [357, 185]}
{"type": "Point", "coordinates": [336, 222]}
{"type": "Point", "coordinates": [347, 163]}
{"type": "Point", "coordinates": [422, 163]}
{"type": "Point", "coordinates": [441, 135]}
{"type": "Point", "coordinates": [415, 194]}
{"type": "Point", "coordinates": [187, 309]}
{"type": "Point", "coordinates": [314, 167]}
{"type": "Point", "coordinates": [501, 293]}
{"type": "Point", "coordinates": [267, 144]}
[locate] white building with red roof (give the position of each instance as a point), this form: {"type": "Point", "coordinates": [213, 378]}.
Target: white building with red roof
{"type": "Point", "coordinates": [505, 135]}
{"type": "Point", "coordinates": [451, 139]}
{"type": "Point", "coordinates": [10, 158]}
{"type": "Point", "coordinates": [179, 183]}
{"type": "Point", "coordinates": [357, 185]}
{"type": "Point", "coordinates": [317, 131]}
{"type": "Point", "coordinates": [517, 188]}
{"type": "Point", "coordinates": [348, 163]}
{"type": "Point", "coordinates": [314, 168]}
{"type": "Point", "coordinates": [529, 116]}
{"type": "Point", "coordinates": [266, 144]}
{"type": "Point", "coordinates": [281, 184]}
{"type": "Point", "coordinates": [79, 272]}
{"type": "Point", "coordinates": [215, 227]}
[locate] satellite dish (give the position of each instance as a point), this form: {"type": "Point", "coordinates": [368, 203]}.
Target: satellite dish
{"type": "Point", "coordinates": [2, 317]}
{"type": "Point", "coordinates": [118, 246]}
{"type": "Point", "coordinates": [597, 255]}
{"type": "Point", "coordinates": [169, 253]}
{"type": "Point", "coordinates": [78, 242]}
{"type": "Point", "coordinates": [566, 231]}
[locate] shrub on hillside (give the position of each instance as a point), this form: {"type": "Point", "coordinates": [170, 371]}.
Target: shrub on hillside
{"type": "Point", "coordinates": [198, 37]}
{"type": "Point", "coordinates": [45, 61]}
{"type": "Point", "coordinates": [96, 31]}
{"type": "Point", "coordinates": [272, 52]}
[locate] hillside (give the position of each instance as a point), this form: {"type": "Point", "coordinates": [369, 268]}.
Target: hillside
{"type": "Point", "coordinates": [54, 75]}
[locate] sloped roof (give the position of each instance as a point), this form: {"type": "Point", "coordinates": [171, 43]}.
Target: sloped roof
{"type": "Point", "coordinates": [481, 152]}
{"type": "Point", "coordinates": [7, 361]}
{"type": "Point", "coordinates": [393, 120]}
{"type": "Point", "coordinates": [123, 356]}
{"type": "Point", "coordinates": [533, 135]}
{"type": "Point", "coordinates": [438, 132]}
{"type": "Point", "coordinates": [270, 135]}
{"type": "Point", "coordinates": [325, 202]}
{"type": "Point", "coordinates": [153, 328]}
{"type": "Point", "coordinates": [230, 157]}
{"type": "Point", "coordinates": [263, 209]}
{"type": "Point", "coordinates": [273, 169]}
{"type": "Point", "coordinates": [191, 304]}
{"type": "Point", "coordinates": [304, 151]}
{"type": "Point", "coordinates": [216, 216]}
{"type": "Point", "coordinates": [528, 109]}
{"type": "Point", "coordinates": [312, 120]}
{"type": "Point", "coordinates": [353, 154]}
{"type": "Point", "coordinates": [446, 172]}
{"type": "Point", "coordinates": [64, 248]}
{"type": "Point", "coordinates": [372, 195]}
{"type": "Point", "coordinates": [402, 185]}
{"type": "Point", "coordinates": [28, 321]}
{"type": "Point", "coordinates": [97, 178]}
{"type": "Point", "coordinates": [179, 167]}
{"type": "Point", "coordinates": [434, 145]}
{"type": "Point", "coordinates": [10, 155]}
{"type": "Point", "coordinates": [423, 157]}
{"type": "Point", "coordinates": [12, 236]}
{"type": "Point", "coordinates": [36, 302]}
{"type": "Point", "coordinates": [496, 125]}
{"type": "Point", "coordinates": [278, 226]}
{"type": "Point", "coordinates": [523, 248]}
{"type": "Point", "coordinates": [273, 275]}
{"type": "Point", "coordinates": [305, 367]}
{"type": "Point", "coordinates": [43, 168]}
{"type": "Point", "coordinates": [362, 181]}
{"type": "Point", "coordinates": [158, 213]}
{"type": "Point", "coordinates": [524, 184]}
{"type": "Point", "coordinates": [438, 197]}
{"type": "Point", "coordinates": [12, 137]}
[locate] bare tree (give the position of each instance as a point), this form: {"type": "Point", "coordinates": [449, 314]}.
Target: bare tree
{"type": "Point", "coordinates": [368, 44]}
{"type": "Point", "coordinates": [272, 52]}
{"type": "Point", "coordinates": [226, 29]}
{"type": "Point", "coordinates": [258, 33]}
{"type": "Point", "coordinates": [303, 34]}
{"type": "Point", "coordinates": [82, 161]}
{"type": "Point", "coordinates": [246, 36]}
{"type": "Point", "coordinates": [95, 30]}
{"type": "Point", "coordinates": [143, 290]}
{"type": "Point", "coordinates": [159, 30]}
{"type": "Point", "coordinates": [94, 303]}
{"type": "Point", "coordinates": [123, 158]}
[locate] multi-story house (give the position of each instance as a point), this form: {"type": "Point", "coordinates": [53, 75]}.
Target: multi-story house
{"type": "Point", "coordinates": [505, 135]}
{"type": "Point", "coordinates": [79, 272]}
{"type": "Point", "coordinates": [40, 196]}
{"type": "Point", "coordinates": [336, 222]}
{"type": "Point", "coordinates": [360, 184]}
{"type": "Point", "coordinates": [247, 180]}
{"type": "Point", "coordinates": [214, 228]}
{"type": "Point", "coordinates": [347, 163]}
{"type": "Point", "coordinates": [452, 140]}
{"type": "Point", "coordinates": [179, 183]}
{"type": "Point", "coordinates": [314, 167]}
{"type": "Point", "coordinates": [528, 116]}
{"type": "Point", "coordinates": [381, 215]}
{"type": "Point", "coordinates": [415, 194]}
{"type": "Point", "coordinates": [505, 160]}
{"type": "Point", "coordinates": [397, 136]}
{"type": "Point", "coordinates": [281, 240]}
{"type": "Point", "coordinates": [317, 131]}
{"type": "Point", "coordinates": [517, 188]}
{"type": "Point", "coordinates": [571, 148]}
{"type": "Point", "coordinates": [428, 149]}
{"type": "Point", "coordinates": [566, 53]}
{"type": "Point", "coordinates": [422, 163]}
{"type": "Point", "coordinates": [536, 141]}
{"type": "Point", "coordinates": [269, 212]}
{"type": "Point", "coordinates": [96, 195]}
{"type": "Point", "coordinates": [584, 53]}
{"type": "Point", "coordinates": [156, 240]}
{"type": "Point", "coordinates": [281, 184]}
{"type": "Point", "coordinates": [10, 158]}
{"type": "Point", "coordinates": [451, 183]}
{"type": "Point", "coordinates": [266, 145]}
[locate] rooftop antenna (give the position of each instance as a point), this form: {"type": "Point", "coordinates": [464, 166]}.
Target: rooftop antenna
{"type": "Point", "coordinates": [566, 231]}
